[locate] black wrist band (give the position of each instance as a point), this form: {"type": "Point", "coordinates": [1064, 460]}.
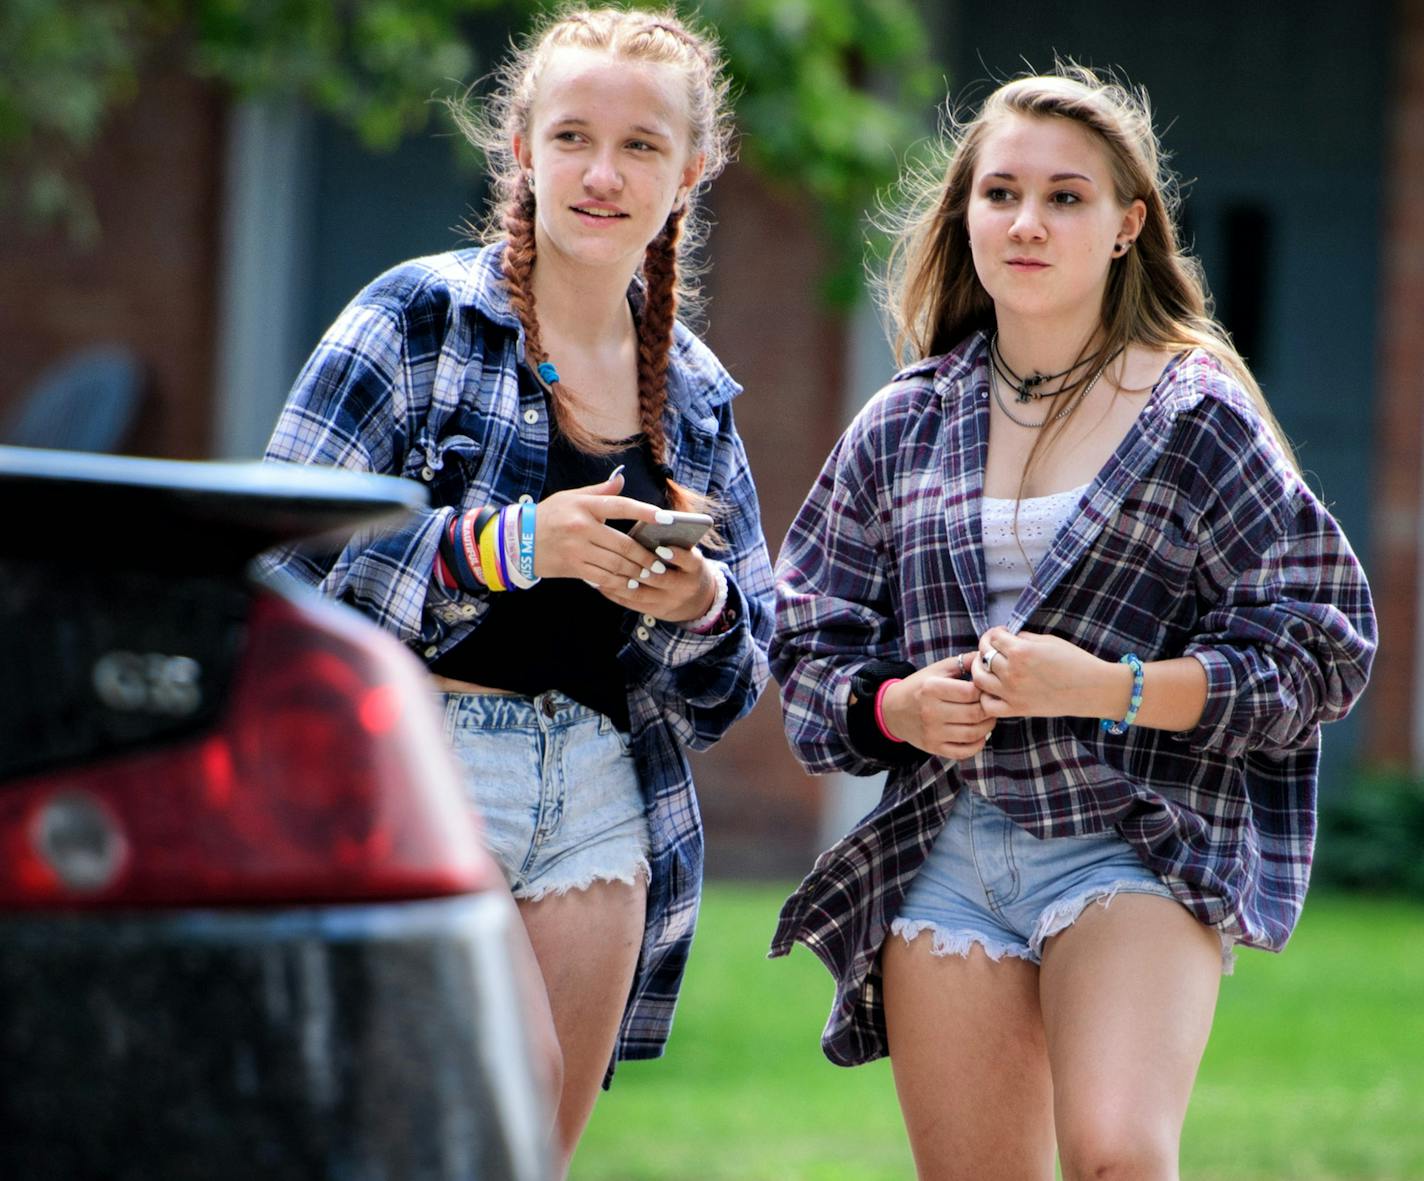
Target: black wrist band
{"type": "Point", "coordinates": [864, 731]}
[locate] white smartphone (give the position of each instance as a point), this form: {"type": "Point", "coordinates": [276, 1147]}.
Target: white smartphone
{"type": "Point", "coordinates": [684, 531]}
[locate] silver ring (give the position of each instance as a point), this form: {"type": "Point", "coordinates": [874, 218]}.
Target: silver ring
{"type": "Point", "coordinates": [988, 659]}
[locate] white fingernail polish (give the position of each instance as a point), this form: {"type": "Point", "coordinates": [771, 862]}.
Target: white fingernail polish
{"type": "Point", "coordinates": [615, 471]}
{"type": "Point", "coordinates": [589, 582]}
{"type": "Point", "coordinates": [659, 568]}
{"type": "Point", "coordinates": [633, 584]}
{"type": "Point", "coordinates": [663, 517]}
{"type": "Point", "coordinates": [646, 573]}
{"type": "Point", "coordinates": [663, 552]}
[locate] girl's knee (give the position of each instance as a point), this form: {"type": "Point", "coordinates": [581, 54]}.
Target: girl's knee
{"type": "Point", "coordinates": [1108, 1145]}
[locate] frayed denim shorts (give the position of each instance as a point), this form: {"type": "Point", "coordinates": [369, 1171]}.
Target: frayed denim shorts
{"type": "Point", "coordinates": [556, 788]}
{"type": "Point", "coordinates": [988, 882]}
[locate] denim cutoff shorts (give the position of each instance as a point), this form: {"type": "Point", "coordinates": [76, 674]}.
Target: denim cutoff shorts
{"type": "Point", "coordinates": [556, 788]}
{"type": "Point", "coordinates": [989, 882]}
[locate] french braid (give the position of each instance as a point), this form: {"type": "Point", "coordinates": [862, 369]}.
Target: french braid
{"type": "Point", "coordinates": [655, 337]}
{"type": "Point", "coordinates": [518, 267]}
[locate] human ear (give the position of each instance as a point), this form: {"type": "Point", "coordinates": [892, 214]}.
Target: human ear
{"type": "Point", "coordinates": [522, 155]}
{"type": "Point", "coordinates": [1133, 219]}
{"type": "Point", "coordinates": [691, 174]}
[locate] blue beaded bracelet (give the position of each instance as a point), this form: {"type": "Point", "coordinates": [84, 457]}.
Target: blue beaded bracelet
{"type": "Point", "coordinates": [1111, 727]}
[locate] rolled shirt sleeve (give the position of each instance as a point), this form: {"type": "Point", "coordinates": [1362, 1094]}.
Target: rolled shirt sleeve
{"type": "Point", "coordinates": [1288, 634]}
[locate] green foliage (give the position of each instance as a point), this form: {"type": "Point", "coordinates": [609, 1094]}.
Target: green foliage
{"type": "Point", "coordinates": [830, 91]}
{"type": "Point", "coordinates": [1371, 836]}
{"type": "Point", "coordinates": [63, 65]}
{"type": "Point", "coordinates": [371, 64]}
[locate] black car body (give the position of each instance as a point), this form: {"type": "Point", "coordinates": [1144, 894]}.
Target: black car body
{"type": "Point", "coordinates": [247, 928]}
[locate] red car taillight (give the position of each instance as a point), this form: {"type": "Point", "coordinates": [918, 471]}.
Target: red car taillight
{"type": "Point", "coordinates": [327, 779]}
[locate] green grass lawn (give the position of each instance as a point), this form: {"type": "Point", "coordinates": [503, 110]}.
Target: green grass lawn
{"type": "Point", "coordinates": [1315, 1070]}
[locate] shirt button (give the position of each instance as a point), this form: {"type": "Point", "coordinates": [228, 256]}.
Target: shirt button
{"type": "Point", "coordinates": [467, 610]}
{"type": "Point", "coordinates": [531, 416]}
{"type": "Point", "coordinates": [432, 651]}
{"type": "Point", "coordinates": [649, 620]}
{"type": "Point", "coordinates": [642, 633]}
{"type": "Point", "coordinates": [427, 473]}
{"type": "Point", "coordinates": [526, 498]}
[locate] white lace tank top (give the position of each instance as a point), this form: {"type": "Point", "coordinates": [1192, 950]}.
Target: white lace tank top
{"type": "Point", "coordinates": [1012, 549]}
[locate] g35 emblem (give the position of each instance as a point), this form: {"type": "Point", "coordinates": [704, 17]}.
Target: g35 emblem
{"type": "Point", "coordinates": [148, 682]}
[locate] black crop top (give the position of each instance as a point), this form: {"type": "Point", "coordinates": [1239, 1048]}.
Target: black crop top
{"type": "Point", "coordinates": [561, 633]}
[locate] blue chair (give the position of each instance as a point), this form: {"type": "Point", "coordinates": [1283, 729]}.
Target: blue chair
{"type": "Point", "coordinates": [87, 402]}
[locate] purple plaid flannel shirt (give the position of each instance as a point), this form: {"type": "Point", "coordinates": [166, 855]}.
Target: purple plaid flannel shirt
{"type": "Point", "coordinates": [1196, 538]}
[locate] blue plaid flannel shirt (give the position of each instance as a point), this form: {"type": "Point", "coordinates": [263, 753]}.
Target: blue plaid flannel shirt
{"type": "Point", "coordinates": [419, 377]}
{"type": "Point", "coordinates": [1195, 538]}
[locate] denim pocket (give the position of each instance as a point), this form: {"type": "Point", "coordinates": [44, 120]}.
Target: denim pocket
{"type": "Point", "coordinates": [606, 726]}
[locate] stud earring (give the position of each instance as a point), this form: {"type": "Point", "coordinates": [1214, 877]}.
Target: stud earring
{"type": "Point", "coordinates": [529, 179]}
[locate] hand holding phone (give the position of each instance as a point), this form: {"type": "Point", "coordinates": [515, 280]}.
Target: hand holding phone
{"type": "Point", "coordinates": [683, 530]}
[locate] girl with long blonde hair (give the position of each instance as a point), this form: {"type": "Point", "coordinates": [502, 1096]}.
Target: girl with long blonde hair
{"type": "Point", "coordinates": [1062, 578]}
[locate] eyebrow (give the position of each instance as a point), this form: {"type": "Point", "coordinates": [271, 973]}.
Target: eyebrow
{"type": "Point", "coordinates": [637, 128]}
{"type": "Point", "coordinates": [1054, 179]}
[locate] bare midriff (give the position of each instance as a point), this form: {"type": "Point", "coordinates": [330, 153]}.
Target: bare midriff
{"type": "Point", "coordinates": [451, 685]}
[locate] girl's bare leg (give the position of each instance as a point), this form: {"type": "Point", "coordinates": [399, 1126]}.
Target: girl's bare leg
{"type": "Point", "coordinates": [587, 944]}
{"type": "Point", "coordinates": [1128, 993]}
{"type": "Point", "coordinates": [970, 1063]}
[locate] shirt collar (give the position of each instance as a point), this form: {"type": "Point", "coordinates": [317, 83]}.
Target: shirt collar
{"type": "Point", "coordinates": [953, 367]}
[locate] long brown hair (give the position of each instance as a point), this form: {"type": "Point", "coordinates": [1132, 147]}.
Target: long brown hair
{"type": "Point", "coordinates": [669, 280]}
{"type": "Point", "coordinates": [1156, 293]}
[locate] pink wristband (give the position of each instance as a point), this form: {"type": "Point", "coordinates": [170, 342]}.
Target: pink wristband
{"type": "Point", "coordinates": [880, 708]}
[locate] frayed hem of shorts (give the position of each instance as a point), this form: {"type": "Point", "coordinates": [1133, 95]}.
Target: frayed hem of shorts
{"type": "Point", "coordinates": [558, 890]}
{"type": "Point", "coordinates": [1062, 915]}
{"type": "Point", "coordinates": [958, 943]}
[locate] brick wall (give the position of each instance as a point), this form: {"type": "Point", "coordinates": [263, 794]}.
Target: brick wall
{"type": "Point", "coordinates": [767, 324]}
{"type": "Point", "coordinates": [148, 283]}
{"type": "Point", "coordinates": [1400, 422]}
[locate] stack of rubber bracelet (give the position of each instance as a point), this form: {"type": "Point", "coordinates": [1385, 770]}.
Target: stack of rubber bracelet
{"type": "Point", "coordinates": [489, 549]}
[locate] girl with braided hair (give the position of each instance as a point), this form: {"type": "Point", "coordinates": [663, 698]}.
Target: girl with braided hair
{"type": "Point", "coordinates": [545, 391]}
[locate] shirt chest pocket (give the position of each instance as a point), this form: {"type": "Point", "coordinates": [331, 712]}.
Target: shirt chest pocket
{"type": "Point", "coordinates": [452, 444]}
{"type": "Point", "coordinates": [1146, 558]}
{"type": "Point", "coordinates": [1150, 537]}
{"type": "Point", "coordinates": [447, 466]}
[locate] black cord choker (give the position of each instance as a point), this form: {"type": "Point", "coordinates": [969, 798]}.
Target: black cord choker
{"type": "Point", "coordinates": [1026, 388]}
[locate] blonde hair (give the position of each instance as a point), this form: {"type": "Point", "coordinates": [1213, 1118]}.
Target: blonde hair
{"type": "Point", "coordinates": [670, 281]}
{"type": "Point", "coordinates": [1156, 293]}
